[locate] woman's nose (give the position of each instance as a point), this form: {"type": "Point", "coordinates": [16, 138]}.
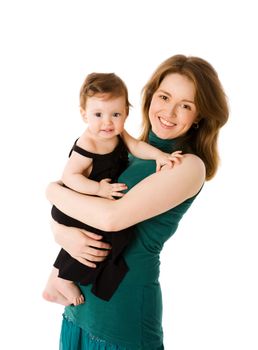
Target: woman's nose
{"type": "Point", "coordinates": [171, 109]}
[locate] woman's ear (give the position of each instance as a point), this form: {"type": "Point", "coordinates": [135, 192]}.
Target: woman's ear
{"type": "Point", "coordinates": [83, 114]}
{"type": "Point", "coordinates": [198, 119]}
{"type": "Point", "coordinates": [195, 124]}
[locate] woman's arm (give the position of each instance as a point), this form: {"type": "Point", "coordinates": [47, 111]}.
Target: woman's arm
{"type": "Point", "coordinates": [152, 196]}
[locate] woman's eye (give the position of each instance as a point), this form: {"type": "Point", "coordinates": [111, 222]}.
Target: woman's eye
{"type": "Point", "coordinates": [184, 106]}
{"type": "Point", "coordinates": [164, 97]}
{"type": "Point", "coordinates": [116, 114]}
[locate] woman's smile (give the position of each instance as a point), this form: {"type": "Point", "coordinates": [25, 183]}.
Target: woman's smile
{"type": "Point", "coordinates": [166, 123]}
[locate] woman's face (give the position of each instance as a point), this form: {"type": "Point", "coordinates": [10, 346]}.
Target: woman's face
{"type": "Point", "coordinates": [172, 110]}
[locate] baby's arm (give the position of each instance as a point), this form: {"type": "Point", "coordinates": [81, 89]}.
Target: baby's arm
{"type": "Point", "coordinates": [144, 150]}
{"type": "Point", "coordinates": [75, 174]}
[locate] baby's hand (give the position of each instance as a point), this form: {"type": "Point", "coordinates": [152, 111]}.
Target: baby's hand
{"type": "Point", "coordinates": [168, 159]}
{"type": "Point", "coordinates": [108, 190]}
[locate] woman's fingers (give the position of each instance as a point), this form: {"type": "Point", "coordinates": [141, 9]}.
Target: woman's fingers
{"type": "Point", "coordinates": [91, 256]}
{"type": "Point", "coordinates": [92, 235]}
{"type": "Point", "coordinates": [98, 254]}
{"type": "Point", "coordinates": [92, 240]}
{"type": "Point", "coordinates": [93, 250]}
{"type": "Point", "coordinates": [85, 262]}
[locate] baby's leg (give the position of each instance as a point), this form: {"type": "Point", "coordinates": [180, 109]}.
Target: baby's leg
{"type": "Point", "coordinates": [62, 291]}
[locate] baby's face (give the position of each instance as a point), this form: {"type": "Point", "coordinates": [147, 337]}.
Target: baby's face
{"type": "Point", "coordinates": [105, 115]}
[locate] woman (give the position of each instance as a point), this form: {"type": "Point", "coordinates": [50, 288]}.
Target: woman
{"type": "Point", "coordinates": [184, 106]}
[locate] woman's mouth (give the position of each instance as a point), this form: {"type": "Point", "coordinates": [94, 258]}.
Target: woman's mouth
{"type": "Point", "coordinates": [166, 123]}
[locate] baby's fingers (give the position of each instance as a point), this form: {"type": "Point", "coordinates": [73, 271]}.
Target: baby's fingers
{"type": "Point", "coordinates": [117, 194]}
{"type": "Point", "coordinates": [176, 160]}
{"type": "Point", "coordinates": [116, 190]}
{"type": "Point", "coordinates": [161, 163]}
{"type": "Point", "coordinates": [177, 154]}
{"type": "Point", "coordinates": [117, 187]}
{"type": "Point", "coordinates": [176, 157]}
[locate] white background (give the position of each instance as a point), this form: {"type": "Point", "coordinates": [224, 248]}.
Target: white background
{"type": "Point", "coordinates": [209, 268]}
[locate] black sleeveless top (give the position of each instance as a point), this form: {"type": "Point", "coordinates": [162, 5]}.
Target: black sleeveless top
{"type": "Point", "coordinates": [109, 165]}
{"type": "Point", "coordinates": [106, 277]}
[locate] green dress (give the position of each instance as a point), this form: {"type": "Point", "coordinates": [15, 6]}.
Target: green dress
{"type": "Point", "coordinates": [132, 318]}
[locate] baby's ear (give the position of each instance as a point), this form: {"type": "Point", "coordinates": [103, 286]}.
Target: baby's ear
{"type": "Point", "coordinates": [126, 113]}
{"type": "Point", "coordinates": [83, 114]}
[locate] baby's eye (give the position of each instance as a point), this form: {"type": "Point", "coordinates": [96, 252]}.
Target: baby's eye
{"type": "Point", "coordinates": [116, 114]}
{"type": "Point", "coordinates": [98, 114]}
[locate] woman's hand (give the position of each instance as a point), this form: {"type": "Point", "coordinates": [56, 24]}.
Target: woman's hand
{"type": "Point", "coordinates": [81, 244]}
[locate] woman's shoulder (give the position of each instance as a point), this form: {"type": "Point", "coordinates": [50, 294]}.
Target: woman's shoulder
{"type": "Point", "coordinates": [188, 176]}
{"type": "Point", "coordinates": [194, 164]}
{"type": "Point", "coordinates": [189, 161]}
{"type": "Point", "coordinates": [194, 161]}
{"type": "Point", "coordinates": [192, 169]}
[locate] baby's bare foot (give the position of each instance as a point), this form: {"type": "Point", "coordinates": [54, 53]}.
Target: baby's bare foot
{"type": "Point", "coordinates": [78, 300]}
{"type": "Point", "coordinates": [52, 295]}
{"type": "Point", "coordinates": [62, 291]}
{"type": "Point", "coordinates": [70, 291]}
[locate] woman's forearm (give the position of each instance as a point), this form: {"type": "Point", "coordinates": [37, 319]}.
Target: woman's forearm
{"type": "Point", "coordinates": [80, 206]}
{"type": "Point", "coordinates": [152, 196]}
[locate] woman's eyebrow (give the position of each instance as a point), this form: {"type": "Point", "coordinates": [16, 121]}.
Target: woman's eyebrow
{"type": "Point", "coordinates": [189, 101]}
{"type": "Point", "coordinates": [165, 92]}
